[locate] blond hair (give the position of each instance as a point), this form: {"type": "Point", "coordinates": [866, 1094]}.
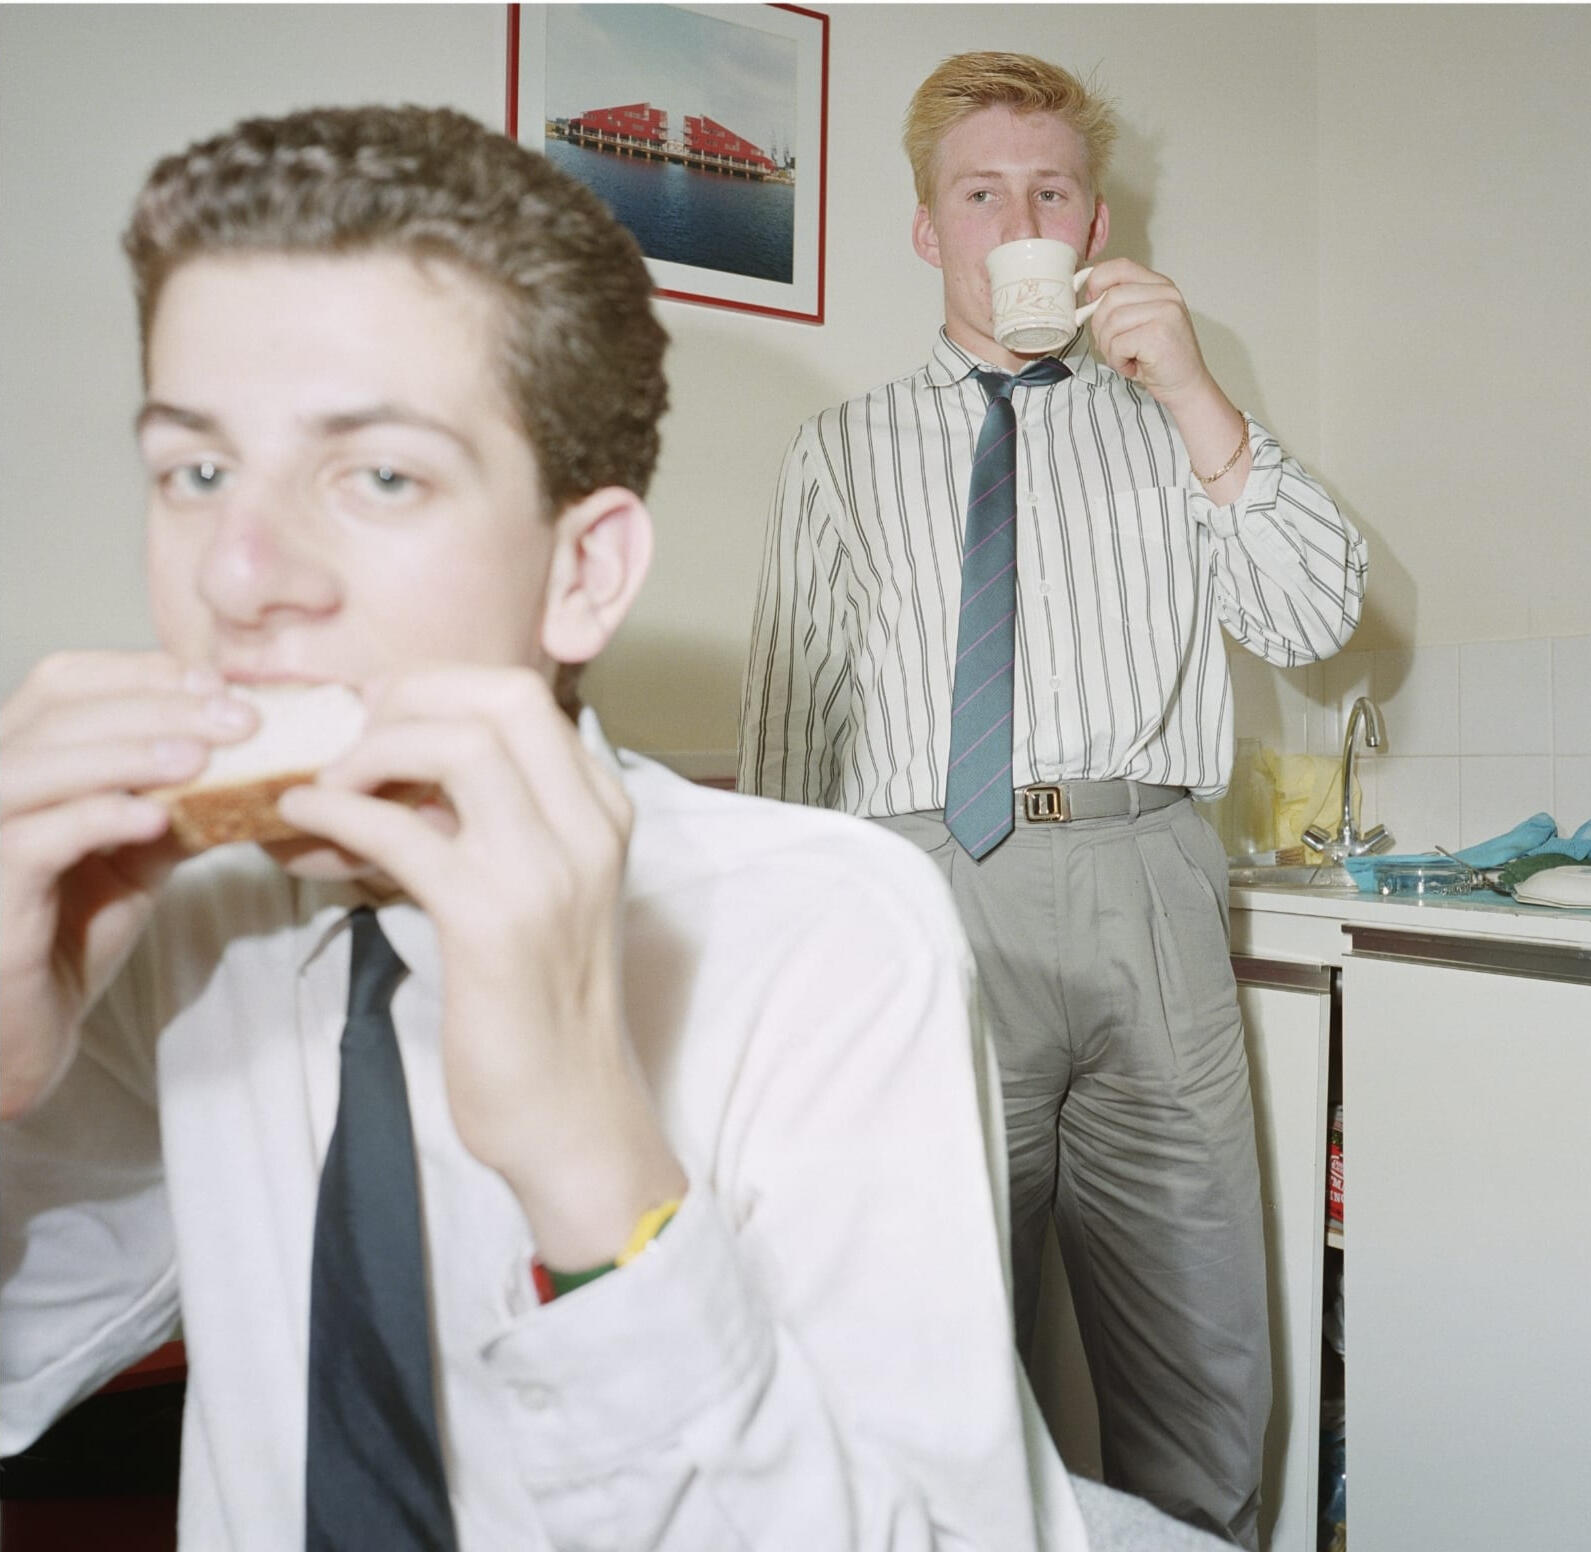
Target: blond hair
{"type": "Point", "coordinates": [965, 83]}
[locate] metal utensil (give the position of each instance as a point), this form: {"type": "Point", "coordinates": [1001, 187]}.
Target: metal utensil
{"type": "Point", "coordinates": [1480, 878]}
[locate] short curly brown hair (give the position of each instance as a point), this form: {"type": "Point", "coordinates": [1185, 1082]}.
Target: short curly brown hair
{"type": "Point", "coordinates": [964, 83]}
{"type": "Point", "coordinates": [582, 351]}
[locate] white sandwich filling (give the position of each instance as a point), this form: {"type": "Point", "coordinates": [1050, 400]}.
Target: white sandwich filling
{"type": "Point", "coordinates": [302, 728]}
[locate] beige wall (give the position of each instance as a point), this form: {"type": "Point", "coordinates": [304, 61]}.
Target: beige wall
{"type": "Point", "coordinates": [1455, 213]}
{"type": "Point", "coordinates": [1306, 174]}
{"type": "Point", "coordinates": [90, 96]}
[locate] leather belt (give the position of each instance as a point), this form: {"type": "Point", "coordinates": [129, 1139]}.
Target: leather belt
{"type": "Point", "coordinates": [1061, 802]}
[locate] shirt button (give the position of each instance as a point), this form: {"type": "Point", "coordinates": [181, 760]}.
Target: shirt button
{"type": "Point", "coordinates": [537, 1397]}
{"type": "Point", "coordinates": [1044, 589]}
{"type": "Point", "coordinates": [1055, 682]}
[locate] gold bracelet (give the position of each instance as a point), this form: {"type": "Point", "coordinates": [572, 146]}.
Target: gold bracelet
{"type": "Point", "coordinates": [1230, 464]}
{"type": "Point", "coordinates": [647, 1228]}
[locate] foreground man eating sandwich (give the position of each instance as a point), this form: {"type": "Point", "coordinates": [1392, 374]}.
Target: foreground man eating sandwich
{"type": "Point", "coordinates": [565, 1155]}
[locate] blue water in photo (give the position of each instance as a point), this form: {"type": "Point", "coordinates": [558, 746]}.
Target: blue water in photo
{"type": "Point", "coordinates": [689, 217]}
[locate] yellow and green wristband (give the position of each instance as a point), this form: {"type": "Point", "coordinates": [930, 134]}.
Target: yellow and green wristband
{"type": "Point", "coordinates": [551, 1284]}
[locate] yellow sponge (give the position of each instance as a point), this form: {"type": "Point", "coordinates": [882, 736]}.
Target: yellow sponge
{"type": "Point", "coordinates": [1308, 790]}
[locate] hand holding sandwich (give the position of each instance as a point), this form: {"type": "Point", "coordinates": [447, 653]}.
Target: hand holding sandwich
{"type": "Point", "coordinates": [523, 890]}
{"type": "Point", "coordinates": [82, 848]}
{"type": "Point", "coordinates": [116, 765]}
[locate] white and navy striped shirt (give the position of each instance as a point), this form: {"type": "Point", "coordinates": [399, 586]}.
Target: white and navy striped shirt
{"type": "Point", "coordinates": [1126, 570]}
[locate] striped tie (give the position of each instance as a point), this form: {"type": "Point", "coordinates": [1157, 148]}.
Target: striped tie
{"type": "Point", "coordinates": [978, 800]}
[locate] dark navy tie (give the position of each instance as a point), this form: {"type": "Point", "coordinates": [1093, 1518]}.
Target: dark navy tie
{"type": "Point", "coordinates": [373, 1472]}
{"type": "Point", "coordinates": [978, 792]}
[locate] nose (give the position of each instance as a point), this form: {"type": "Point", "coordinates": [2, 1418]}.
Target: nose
{"type": "Point", "coordinates": [263, 566]}
{"type": "Point", "coordinates": [1023, 221]}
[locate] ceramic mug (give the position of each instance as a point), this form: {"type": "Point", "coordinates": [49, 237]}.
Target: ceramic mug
{"type": "Point", "coordinates": [1033, 286]}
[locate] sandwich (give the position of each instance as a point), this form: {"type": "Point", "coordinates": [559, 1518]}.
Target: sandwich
{"type": "Point", "coordinates": [303, 728]}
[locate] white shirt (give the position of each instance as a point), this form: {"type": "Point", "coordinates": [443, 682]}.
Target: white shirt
{"type": "Point", "coordinates": [1126, 573]}
{"type": "Point", "coordinates": [814, 1355]}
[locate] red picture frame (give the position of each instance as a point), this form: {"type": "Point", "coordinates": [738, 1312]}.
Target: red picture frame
{"type": "Point", "coordinates": [709, 152]}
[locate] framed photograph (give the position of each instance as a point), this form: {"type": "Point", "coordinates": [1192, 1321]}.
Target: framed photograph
{"type": "Point", "coordinates": [704, 127]}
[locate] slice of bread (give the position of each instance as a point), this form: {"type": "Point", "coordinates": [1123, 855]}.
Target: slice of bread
{"type": "Point", "coordinates": [302, 728]}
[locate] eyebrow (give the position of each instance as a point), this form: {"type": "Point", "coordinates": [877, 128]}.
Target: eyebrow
{"type": "Point", "coordinates": [999, 172]}
{"type": "Point", "coordinates": [343, 423]}
{"type": "Point", "coordinates": [347, 421]}
{"type": "Point", "coordinates": [155, 412]}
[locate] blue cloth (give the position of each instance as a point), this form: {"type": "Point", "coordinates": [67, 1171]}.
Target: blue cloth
{"type": "Point", "coordinates": [1530, 837]}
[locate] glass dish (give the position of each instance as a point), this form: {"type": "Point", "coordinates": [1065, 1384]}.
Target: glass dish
{"type": "Point", "coordinates": [1426, 878]}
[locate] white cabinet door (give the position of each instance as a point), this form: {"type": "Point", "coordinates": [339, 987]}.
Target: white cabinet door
{"type": "Point", "coordinates": [1287, 1019]}
{"type": "Point", "coordinates": [1467, 1143]}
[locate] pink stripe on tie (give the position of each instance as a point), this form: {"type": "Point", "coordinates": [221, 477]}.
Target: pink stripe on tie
{"type": "Point", "coordinates": [1006, 823]}
{"type": "Point", "coordinates": [1005, 771]}
{"type": "Point", "coordinates": [1004, 668]}
{"type": "Point", "coordinates": [988, 733]}
{"type": "Point", "coordinates": [979, 455]}
{"type": "Point", "coordinates": [992, 533]}
{"type": "Point", "coordinates": [986, 586]}
{"type": "Point", "coordinates": [983, 495]}
{"type": "Point", "coordinates": [972, 646]}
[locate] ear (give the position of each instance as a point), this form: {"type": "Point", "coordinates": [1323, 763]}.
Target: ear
{"type": "Point", "coordinates": [1099, 230]}
{"type": "Point", "coordinates": [924, 238]}
{"type": "Point", "coordinates": [601, 551]}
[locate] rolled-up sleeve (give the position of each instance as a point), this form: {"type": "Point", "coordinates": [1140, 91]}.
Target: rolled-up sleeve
{"type": "Point", "coordinates": [1289, 566]}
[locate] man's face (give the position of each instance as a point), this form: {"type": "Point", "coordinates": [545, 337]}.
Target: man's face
{"type": "Point", "coordinates": [339, 486]}
{"type": "Point", "coordinates": [1002, 175]}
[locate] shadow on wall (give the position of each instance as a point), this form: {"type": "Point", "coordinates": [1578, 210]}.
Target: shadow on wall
{"type": "Point", "coordinates": [1129, 191]}
{"type": "Point", "coordinates": [666, 691]}
{"type": "Point", "coordinates": [1130, 195]}
{"type": "Point", "coordinates": [671, 678]}
{"type": "Point", "coordinates": [718, 365]}
{"type": "Point", "coordinates": [1391, 606]}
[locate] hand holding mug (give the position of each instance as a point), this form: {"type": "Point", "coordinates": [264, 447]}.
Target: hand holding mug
{"type": "Point", "coordinates": [1145, 332]}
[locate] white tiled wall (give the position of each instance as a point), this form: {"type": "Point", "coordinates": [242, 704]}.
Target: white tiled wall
{"type": "Point", "coordinates": [1479, 736]}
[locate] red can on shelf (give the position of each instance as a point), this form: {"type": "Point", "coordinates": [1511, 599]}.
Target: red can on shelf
{"type": "Point", "coordinates": [1334, 1170]}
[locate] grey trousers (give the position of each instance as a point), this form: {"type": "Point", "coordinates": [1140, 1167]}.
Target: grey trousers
{"type": "Point", "coordinates": [1102, 956]}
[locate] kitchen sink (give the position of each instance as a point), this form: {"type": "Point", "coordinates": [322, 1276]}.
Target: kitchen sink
{"type": "Point", "coordinates": [1320, 875]}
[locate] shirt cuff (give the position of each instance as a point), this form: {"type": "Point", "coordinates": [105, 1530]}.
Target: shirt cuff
{"type": "Point", "coordinates": [1258, 492]}
{"type": "Point", "coordinates": [616, 1367]}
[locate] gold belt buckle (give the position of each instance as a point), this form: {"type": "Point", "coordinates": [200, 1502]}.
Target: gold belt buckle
{"type": "Point", "coordinates": [1046, 804]}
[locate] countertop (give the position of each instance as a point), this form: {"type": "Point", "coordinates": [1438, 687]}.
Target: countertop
{"type": "Point", "coordinates": [1295, 921]}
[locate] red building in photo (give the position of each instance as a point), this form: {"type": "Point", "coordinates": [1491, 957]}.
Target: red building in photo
{"type": "Point", "coordinates": [639, 129]}
{"type": "Point", "coordinates": [706, 137]}
{"type": "Point", "coordinates": [636, 121]}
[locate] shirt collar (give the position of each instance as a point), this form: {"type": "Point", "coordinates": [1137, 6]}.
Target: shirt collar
{"type": "Point", "coordinates": [949, 363]}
